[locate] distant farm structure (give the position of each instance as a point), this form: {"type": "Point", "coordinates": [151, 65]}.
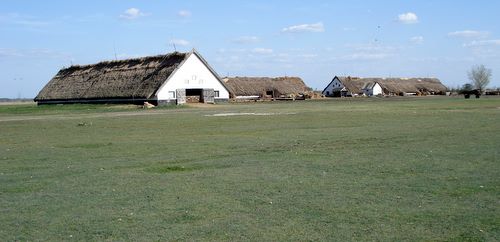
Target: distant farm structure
{"type": "Point", "coordinates": [356, 86]}
{"type": "Point", "coordinates": [267, 88]}
{"type": "Point", "coordinates": [492, 91]}
{"type": "Point", "coordinates": [178, 78]}
{"type": "Point", "coordinates": [172, 78]}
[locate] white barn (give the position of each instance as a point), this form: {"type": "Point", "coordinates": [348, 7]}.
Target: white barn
{"type": "Point", "coordinates": [372, 89]}
{"type": "Point", "coordinates": [171, 78]}
{"type": "Point", "coordinates": [193, 77]}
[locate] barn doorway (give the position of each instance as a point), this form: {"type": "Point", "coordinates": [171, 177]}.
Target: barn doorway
{"type": "Point", "coordinates": [199, 95]}
{"type": "Point", "coordinates": [194, 95]}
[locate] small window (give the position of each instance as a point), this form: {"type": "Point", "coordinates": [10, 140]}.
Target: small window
{"type": "Point", "coordinates": [216, 93]}
{"type": "Point", "coordinates": [186, 81]}
{"type": "Point", "coordinates": [171, 94]}
{"type": "Point", "coordinates": [200, 81]}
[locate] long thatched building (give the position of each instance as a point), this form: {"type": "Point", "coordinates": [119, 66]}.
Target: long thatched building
{"type": "Point", "coordinates": [354, 86]}
{"type": "Point", "coordinates": [171, 78]}
{"type": "Point", "coordinates": [266, 87]}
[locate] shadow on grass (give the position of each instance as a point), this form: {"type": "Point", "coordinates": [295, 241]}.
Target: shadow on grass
{"type": "Point", "coordinates": [87, 145]}
{"type": "Point", "coordinates": [178, 168]}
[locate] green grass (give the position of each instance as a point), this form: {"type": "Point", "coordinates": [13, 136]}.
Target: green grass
{"type": "Point", "coordinates": [33, 109]}
{"type": "Point", "coordinates": [418, 169]}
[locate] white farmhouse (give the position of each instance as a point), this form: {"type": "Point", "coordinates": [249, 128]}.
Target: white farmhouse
{"type": "Point", "coordinates": [171, 78]}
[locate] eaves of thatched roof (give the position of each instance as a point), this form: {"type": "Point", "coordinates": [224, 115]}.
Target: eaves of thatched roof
{"type": "Point", "coordinates": [394, 85]}
{"type": "Point", "coordinates": [257, 86]}
{"type": "Point", "coordinates": [138, 78]}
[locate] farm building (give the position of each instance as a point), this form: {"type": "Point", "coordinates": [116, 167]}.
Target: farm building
{"type": "Point", "coordinates": [266, 87]}
{"type": "Point", "coordinates": [171, 78]}
{"type": "Point", "coordinates": [372, 89]}
{"type": "Point", "coordinates": [355, 86]}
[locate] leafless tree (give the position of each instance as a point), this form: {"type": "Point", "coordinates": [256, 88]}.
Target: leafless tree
{"type": "Point", "coordinates": [480, 77]}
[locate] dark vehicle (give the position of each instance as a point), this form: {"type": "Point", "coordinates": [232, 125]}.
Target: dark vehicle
{"type": "Point", "coordinates": [468, 93]}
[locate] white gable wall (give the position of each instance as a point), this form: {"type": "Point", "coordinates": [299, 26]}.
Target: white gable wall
{"type": "Point", "coordinates": [335, 85]}
{"type": "Point", "coordinates": [377, 90]}
{"type": "Point", "coordinates": [374, 91]}
{"type": "Point", "coordinates": [192, 74]}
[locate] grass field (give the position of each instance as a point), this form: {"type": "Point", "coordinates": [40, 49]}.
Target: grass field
{"type": "Point", "coordinates": [417, 169]}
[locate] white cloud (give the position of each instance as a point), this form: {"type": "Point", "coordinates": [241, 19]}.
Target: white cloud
{"type": "Point", "coordinates": [184, 13]}
{"type": "Point", "coordinates": [367, 56]}
{"type": "Point", "coordinates": [32, 53]}
{"type": "Point", "coordinates": [23, 20]}
{"type": "Point", "coordinates": [417, 39]}
{"type": "Point", "coordinates": [487, 43]}
{"type": "Point", "coordinates": [317, 27]}
{"type": "Point", "coordinates": [262, 51]}
{"type": "Point", "coordinates": [408, 18]}
{"type": "Point", "coordinates": [484, 48]}
{"type": "Point", "coordinates": [232, 51]}
{"type": "Point", "coordinates": [7, 52]}
{"type": "Point", "coordinates": [307, 56]}
{"type": "Point", "coordinates": [469, 34]}
{"type": "Point", "coordinates": [132, 13]}
{"type": "Point", "coordinates": [373, 47]}
{"type": "Point", "coordinates": [179, 42]}
{"type": "Point", "coordinates": [349, 29]}
{"type": "Point", "coordinates": [246, 40]}
{"type": "Point", "coordinates": [370, 51]}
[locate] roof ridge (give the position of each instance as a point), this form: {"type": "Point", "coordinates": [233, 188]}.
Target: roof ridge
{"type": "Point", "coordinates": [110, 62]}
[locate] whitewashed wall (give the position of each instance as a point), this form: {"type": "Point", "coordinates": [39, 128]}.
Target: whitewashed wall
{"type": "Point", "coordinates": [377, 90]}
{"type": "Point", "coordinates": [193, 74]}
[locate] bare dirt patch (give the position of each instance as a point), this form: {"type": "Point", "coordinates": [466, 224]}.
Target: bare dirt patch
{"type": "Point", "coordinates": [17, 103]}
{"type": "Point", "coordinates": [91, 115]}
{"type": "Point", "coordinates": [201, 105]}
{"type": "Point", "coordinates": [246, 114]}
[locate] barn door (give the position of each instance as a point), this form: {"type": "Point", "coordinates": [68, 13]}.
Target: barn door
{"type": "Point", "coordinates": [208, 95]}
{"type": "Point", "coordinates": [181, 96]}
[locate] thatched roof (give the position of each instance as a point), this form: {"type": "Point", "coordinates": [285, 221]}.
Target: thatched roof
{"type": "Point", "coordinates": [138, 78]}
{"type": "Point", "coordinates": [256, 86]}
{"type": "Point", "coordinates": [395, 85]}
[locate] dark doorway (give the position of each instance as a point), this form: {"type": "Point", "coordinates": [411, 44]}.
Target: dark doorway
{"type": "Point", "coordinates": [194, 95]}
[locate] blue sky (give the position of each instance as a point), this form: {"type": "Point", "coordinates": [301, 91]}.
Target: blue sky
{"type": "Point", "coordinates": [314, 40]}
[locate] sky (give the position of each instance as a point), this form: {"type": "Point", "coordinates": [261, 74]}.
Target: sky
{"type": "Point", "coordinates": [315, 40]}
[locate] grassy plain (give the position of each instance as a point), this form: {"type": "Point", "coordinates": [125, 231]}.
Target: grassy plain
{"type": "Point", "coordinates": [353, 169]}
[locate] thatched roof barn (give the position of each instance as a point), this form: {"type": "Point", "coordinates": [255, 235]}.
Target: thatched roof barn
{"type": "Point", "coordinates": [162, 78]}
{"type": "Point", "coordinates": [353, 86]}
{"type": "Point", "coordinates": [262, 87]}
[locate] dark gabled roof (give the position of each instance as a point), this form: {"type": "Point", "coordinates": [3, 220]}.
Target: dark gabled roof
{"type": "Point", "coordinates": [369, 85]}
{"type": "Point", "coordinates": [353, 84]}
{"type": "Point", "coordinates": [138, 78]}
{"type": "Point", "coordinates": [256, 86]}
